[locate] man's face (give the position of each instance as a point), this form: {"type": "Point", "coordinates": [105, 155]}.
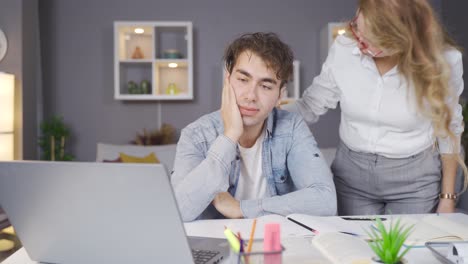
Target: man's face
{"type": "Point", "coordinates": [256, 87]}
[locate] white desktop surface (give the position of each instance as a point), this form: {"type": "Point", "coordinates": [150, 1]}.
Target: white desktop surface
{"type": "Point", "coordinates": [298, 247]}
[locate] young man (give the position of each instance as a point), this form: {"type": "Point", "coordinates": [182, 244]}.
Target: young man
{"type": "Point", "coordinates": [250, 158]}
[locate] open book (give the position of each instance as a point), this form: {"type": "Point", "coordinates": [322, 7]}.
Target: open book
{"type": "Point", "coordinates": [340, 248]}
{"type": "Point", "coordinates": [433, 228]}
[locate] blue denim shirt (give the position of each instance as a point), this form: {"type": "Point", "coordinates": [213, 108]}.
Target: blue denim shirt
{"type": "Point", "coordinates": [207, 162]}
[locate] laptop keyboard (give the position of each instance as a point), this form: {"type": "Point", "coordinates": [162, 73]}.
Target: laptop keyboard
{"type": "Point", "coordinates": [203, 256]}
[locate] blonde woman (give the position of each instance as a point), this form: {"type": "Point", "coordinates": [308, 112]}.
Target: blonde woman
{"type": "Point", "coordinates": [398, 78]}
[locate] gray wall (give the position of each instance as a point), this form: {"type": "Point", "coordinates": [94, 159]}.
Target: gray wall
{"type": "Point", "coordinates": [77, 51]}
{"type": "Point", "coordinates": [19, 21]}
{"type": "Point", "coordinates": [456, 20]}
{"type": "Point", "coordinates": [78, 59]}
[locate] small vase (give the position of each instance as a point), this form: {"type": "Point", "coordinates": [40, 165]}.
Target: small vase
{"type": "Point", "coordinates": [132, 87]}
{"type": "Point", "coordinates": [145, 87]}
{"type": "Point", "coordinates": [172, 89]}
{"type": "Point", "coordinates": [137, 53]}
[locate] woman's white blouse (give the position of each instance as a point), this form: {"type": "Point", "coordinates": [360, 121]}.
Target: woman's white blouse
{"type": "Point", "coordinates": [378, 113]}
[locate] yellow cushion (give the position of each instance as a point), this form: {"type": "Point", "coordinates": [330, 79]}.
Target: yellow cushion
{"type": "Point", "coordinates": [9, 230]}
{"type": "Point", "coordinates": [151, 158]}
{"type": "Point", "coordinates": [6, 245]}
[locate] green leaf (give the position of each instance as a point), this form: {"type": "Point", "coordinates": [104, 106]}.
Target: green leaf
{"type": "Point", "coordinates": [388, 241]}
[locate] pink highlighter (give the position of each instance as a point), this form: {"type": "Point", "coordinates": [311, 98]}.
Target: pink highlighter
{"type": "Point", "coordinates": [272, 238]}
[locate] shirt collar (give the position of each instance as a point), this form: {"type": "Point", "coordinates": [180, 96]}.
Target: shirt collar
{"type": "Point", "coordinates": [271, 121]}
{"type": "Point", "coordinates": [368, 62]}
{"type": "Point", "coordinates": [356, 51]}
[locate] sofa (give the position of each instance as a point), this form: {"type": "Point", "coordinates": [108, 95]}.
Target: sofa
{"type": "Point", "coordinates": [111, 152]}
{"type": "Point", "coordinates": [166, 155]}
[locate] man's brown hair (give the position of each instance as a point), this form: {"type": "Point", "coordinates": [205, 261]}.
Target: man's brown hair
{"type": "Point", "coordinates": [276, 54]}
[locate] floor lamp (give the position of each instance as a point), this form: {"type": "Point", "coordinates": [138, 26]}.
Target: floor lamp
{"type": "Point", "coordinates": [7, 100]}
{"type": "Point", "coordinates": [7, 111]}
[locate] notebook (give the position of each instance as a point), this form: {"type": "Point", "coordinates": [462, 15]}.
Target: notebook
{"type": "Point", "coordinates": [434, 228]}
{"type": "Point", "coordinates": [89, 212]}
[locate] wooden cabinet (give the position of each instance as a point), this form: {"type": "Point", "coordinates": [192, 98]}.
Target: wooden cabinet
{"type": "Point", "coordinates": [153, 60]}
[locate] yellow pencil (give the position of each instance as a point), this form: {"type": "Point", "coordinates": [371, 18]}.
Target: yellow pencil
{"type": "Point", "coordinates": [252, 232]}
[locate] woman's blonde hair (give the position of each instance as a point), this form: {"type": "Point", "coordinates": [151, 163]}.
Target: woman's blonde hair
{"type": "Point", "coordinates": [410, 30]}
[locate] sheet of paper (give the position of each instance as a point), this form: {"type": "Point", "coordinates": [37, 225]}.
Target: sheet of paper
{"type": "Point", "coordinates": [215, 228]}
{"type": "Point", "coordinates": [333, 224]}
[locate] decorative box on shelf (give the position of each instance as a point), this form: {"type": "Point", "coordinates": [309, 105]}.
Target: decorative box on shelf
{"type": "Point", "coordinates": [153, 60]}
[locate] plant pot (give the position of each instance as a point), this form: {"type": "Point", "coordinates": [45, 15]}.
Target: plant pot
{"type": "Point", "coordinates": [376, 260]}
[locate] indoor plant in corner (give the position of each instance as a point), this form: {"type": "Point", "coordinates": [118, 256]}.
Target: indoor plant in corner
{"type": "Point", "coordinates": [54, 133]}
{"type": "Point", "coordinates": [387, 242]}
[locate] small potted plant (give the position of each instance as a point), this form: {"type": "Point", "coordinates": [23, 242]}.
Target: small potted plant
{"type": "Point", "coordinates": [165, 135]}
{"type": "Point", "coordinates": [54, 134]}
{"type": "Point", "coordinates": [387, 242]}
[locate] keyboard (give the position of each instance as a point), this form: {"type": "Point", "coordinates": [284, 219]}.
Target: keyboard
{"type": "Point", "coordinates": [204, 256]}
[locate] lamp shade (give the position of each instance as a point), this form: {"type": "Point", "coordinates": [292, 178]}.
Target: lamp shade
{"type": "Point", "coordinates": [7, 110]}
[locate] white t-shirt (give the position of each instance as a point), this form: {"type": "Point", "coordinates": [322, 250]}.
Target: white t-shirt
{"type": "Point", "coordinates": [252, 183]}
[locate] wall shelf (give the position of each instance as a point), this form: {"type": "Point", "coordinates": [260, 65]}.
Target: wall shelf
{"type": "Point", "coordinates": [161, 55]}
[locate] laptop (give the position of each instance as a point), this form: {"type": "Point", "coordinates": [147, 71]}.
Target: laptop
{"type": "Point", "coordinates": [91, 212]}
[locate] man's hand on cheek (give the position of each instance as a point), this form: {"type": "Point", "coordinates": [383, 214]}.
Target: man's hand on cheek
{"type": "Point", "coordinates": [232, 119]}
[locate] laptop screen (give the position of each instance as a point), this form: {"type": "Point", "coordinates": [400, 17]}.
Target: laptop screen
{"type": "Point", "coordinates": [87, 212]}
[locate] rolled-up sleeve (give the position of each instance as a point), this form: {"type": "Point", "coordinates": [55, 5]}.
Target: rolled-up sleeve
{"type": "Point", "coordinates": [456, 85]}
{"type": "Point", "coordinates": [197, 179]}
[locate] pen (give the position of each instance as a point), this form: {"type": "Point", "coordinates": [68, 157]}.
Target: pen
{"type": "Point", "coordinates": [362, 218]}
{"type": "Point", "coordinates": [252, 232]}
{"type": "Point", "coordinates": [241, 250]}
{"type": "Point", "coordinates": [241, 242]}
{"type": "Point", "coordinates": [304, 226]}
{"type": "Point", "coordinates": [349, 233]}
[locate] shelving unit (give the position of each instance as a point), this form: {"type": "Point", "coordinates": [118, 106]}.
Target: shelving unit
{"type": "Point", "coordinates": [158, 52]}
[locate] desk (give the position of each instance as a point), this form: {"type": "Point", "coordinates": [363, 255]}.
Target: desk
{"type": "Point", "coordinates": [298, 247]}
